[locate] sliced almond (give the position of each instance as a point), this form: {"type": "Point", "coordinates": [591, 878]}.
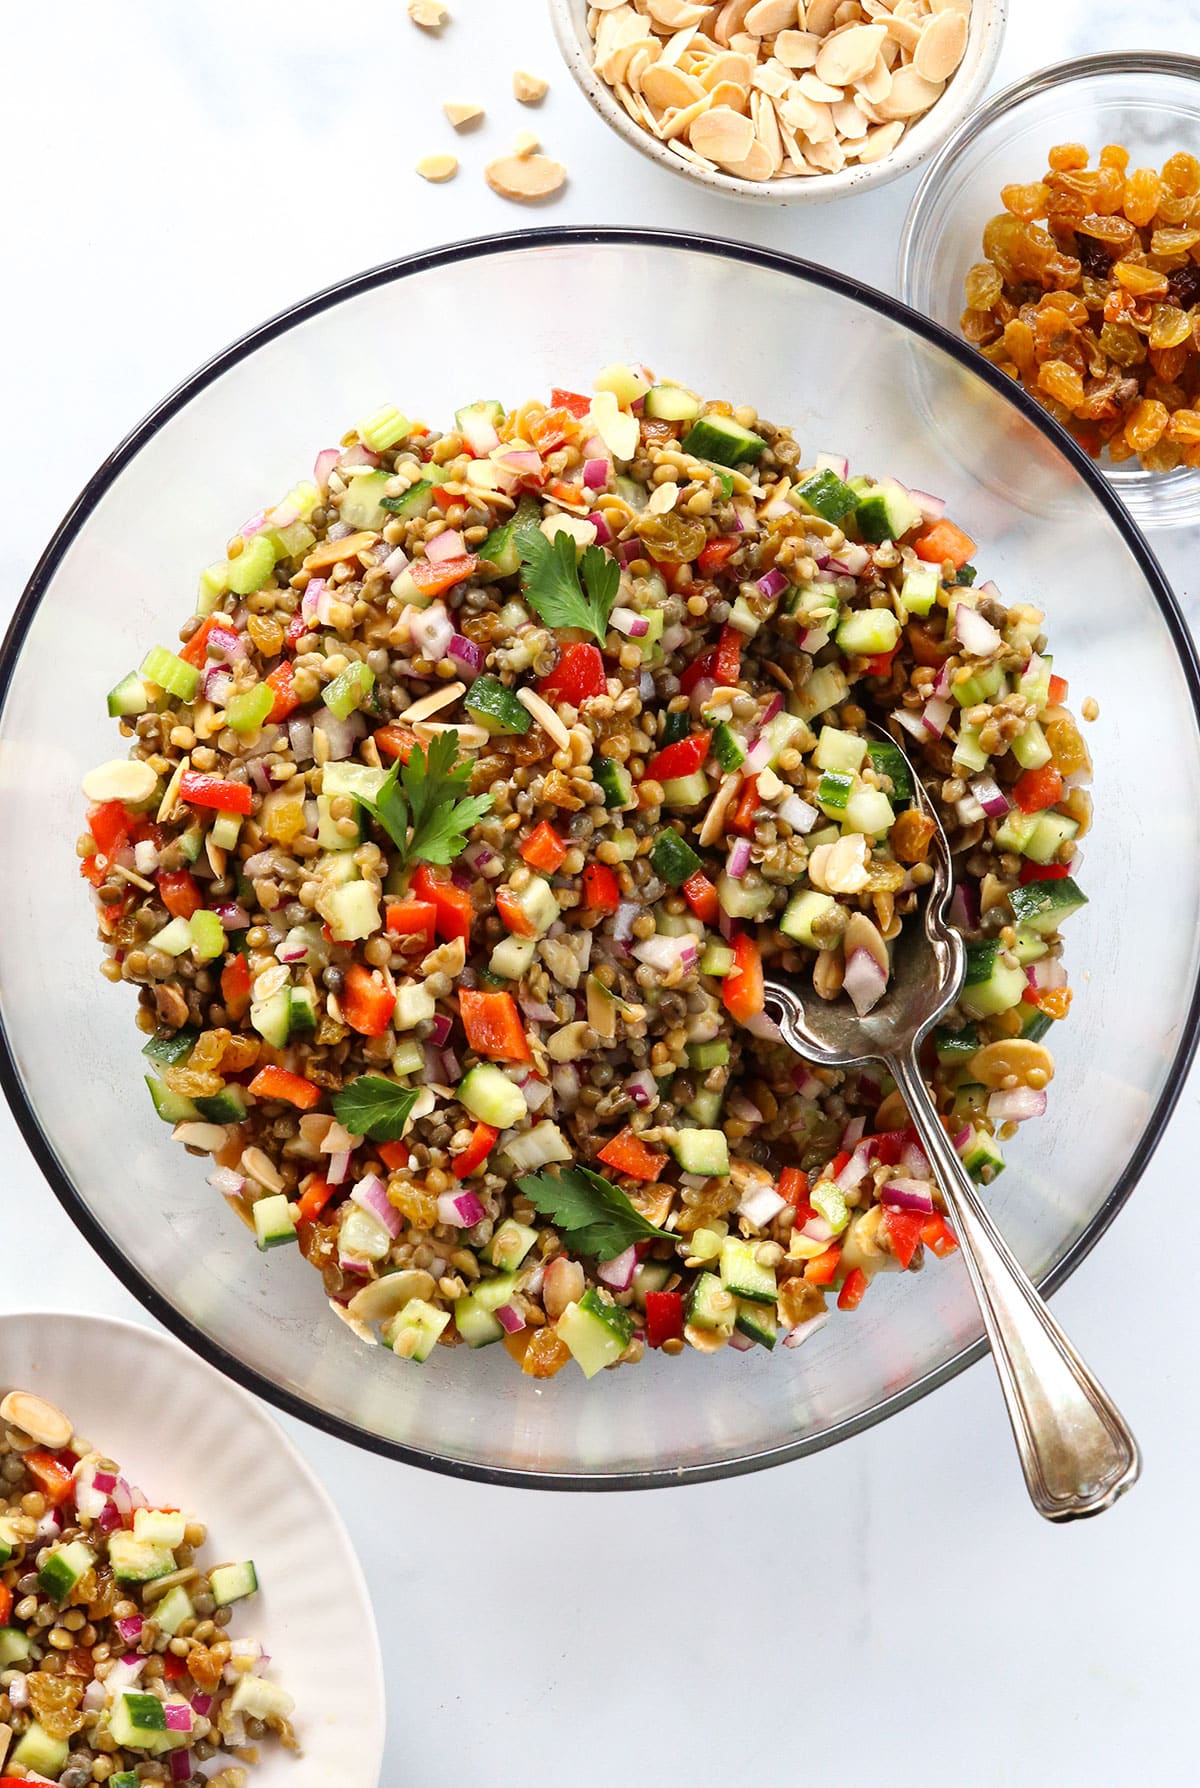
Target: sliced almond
{"type": "Point", "coordinates": [524, 143]}
{"type": "Point", "coordinates": [766, 128]}
{"type": "Point", "coordinates": [667, 87]}
{"type": "Point", "coordinates": [722, 134]}
{"type": "Point", "coordinates": [911, 94]}
{"type": "Point", "coordinates": [678, 122]}
{"type": "Point", "coordinates": [963, 6]}
{"type": "Point", "coordinates": [742, 44]}
{"type": "Point", "coordinates": [639, 64]}
{"type": "Point", "coordinates": [849, 121]}
{"type": "Point", "coordinates": [818, 16]}
{"type": "Point", "coordinates": [686, 153]}
{"type": "Point", "coordinates": [124, 779]}
{"type": "Point", "coordinates": [434, 703]}
{"type": "Point", "coordinates": [462, 113]}
{"type": "Point", "coordinates": [730, 20]}
{"type": "Point", "coordinates": [525, 177]}
{"type": "Point", "coordinates": [773, 78]}
{"type": "Point", "coordinates": [530, 89]}
{"type": "Point", "coordinates": [757, 165]}
{"type": "Point", "coordinates": [616, 63]}
{"type": "Point", "coordinates": [727, 68]}
{"type": "Point", "coordinates": [797, 49]}
{"type": "Point", "coordinates": [333, 552]}
{"type": "Point", "coordinates": [813, 87]}
{"type": "Point", "coordinates": [384, 1297]}
{"type": "Point", "coordinates": [718, 807]}
{"type": "Point", "coordinates": [881, 140]}
{"type": "Point", "coordinates": [676, 15]}
{"type": "Point", "coordinates": [736, 98]}
{"type": "Point", "coordinates": [42, 1421]}
{"type": "Point", "coordinates": [941, 47]}
{"type": "Point", "coordinates": [903, 32]}
{"type": "Point", "coordinates": [876, 84]}
{"type": "Point", "coordinates": [675, 46]}
{"type": "Point", "coordinates": [437, 167]}
{"type": "Point", "coordinates": [663, 498]}
{"type": "Point", "coordinates": [849, 55]}
{"type": "Point", "coordinates": [829, 155]}
{"type": "Point", "coordinates": [767, 17]}
{"type": "Point", "coordinates": [546, 718]}
{"type": "Point", "coordinates": [431, 15]}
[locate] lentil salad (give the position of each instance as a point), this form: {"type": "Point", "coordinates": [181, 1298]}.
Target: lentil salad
{"type": "Point", "coordinates": [116, 1663]}
{"type": "Point", "coordinates": [452, 842]}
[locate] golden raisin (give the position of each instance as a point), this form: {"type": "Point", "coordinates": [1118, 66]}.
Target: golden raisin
{"type": "Point", "coordinates": [1018, 339]}
{"type": "Point", "coordinates": [545, 1354]}
{"type": "Point", "coordinates": [1143, 190]}
{"type": "Point", "coordinates": [55, 1701]}
{"type": "Point", "coordinates": [1117, 231]}
{"type": "Point", "coordinates": [1066, 742]}
{"type": "Point", "coordinates": [419, 1206]}
{"type": "Point", "coordinates": [1114, 155]}
{"type": "Point", "coordinates": [979, 326]}
{"type": "Point", "coordinates": [1145, 424]}
{"type": "Point", "coordinates": [1060, 381]}
{"type": "Point", "coordinates": [1122, 344]}
{"type": "Point", "coordinates": [1184, 427]}
{"type": "Point", "coordinates": [1119, 450]}
{"type": "Point", "coordinates": [983, 285]}
{"type": "Point", "coordinates": [266, 633]}
{"type": "Point", "coordinates": [1026, 202]}
{"type": "Point", "coordinates": [1181, 174]}
{"type": "Point", "coordinates": [1110, 190]}
{"type": "Point", "coordinates": [1167, 243]}
{"type": "Point", "coordinates": [209, 1051]}
{"type": "Point", "coordinates": [1068, 155]}
{"type": "Point", "coordinates": [1142, 281]}
{"type": "Point", "coordinates": [1174, 211]}
{"type": "Point", "coordinates": [1169, 326]}
{"type": "Point", "coordinates": [1191, 455]}
{"type": "Point", "coordinates": [1164, 456]}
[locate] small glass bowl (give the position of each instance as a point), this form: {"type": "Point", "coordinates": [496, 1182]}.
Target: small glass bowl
{"type": "Point", "coordinates": [1149, 102]}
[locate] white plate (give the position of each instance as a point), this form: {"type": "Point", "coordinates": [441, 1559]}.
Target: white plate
{"type": "Point", "coordinates": [184, 1434]}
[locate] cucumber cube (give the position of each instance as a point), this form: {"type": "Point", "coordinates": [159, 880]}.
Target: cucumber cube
{"type": "Point", "coordinates": [837, 750]}
{"type": "Point", "coordinates": [742, 1274]}
{"type": "Point", "coordinates": [233, 1582]}
{"type": "Point", "coordinates": [803, 911]}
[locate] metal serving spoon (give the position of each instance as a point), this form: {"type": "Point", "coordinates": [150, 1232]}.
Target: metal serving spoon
{"type": "Point", "coordinates": [1076, 1450]}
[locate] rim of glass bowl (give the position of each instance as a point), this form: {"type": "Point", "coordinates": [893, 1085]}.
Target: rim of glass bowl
{"type": "Point", "coordinates": [478, 248]}
{"type": "Point", "coordinates": [1161, 499]}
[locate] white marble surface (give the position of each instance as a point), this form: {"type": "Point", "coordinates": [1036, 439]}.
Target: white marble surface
{"type": "Point", "coordinates": [174, 173]}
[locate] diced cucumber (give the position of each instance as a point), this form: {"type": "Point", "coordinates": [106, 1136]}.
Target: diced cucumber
{"type": "Point", "coordinates": [191, 842]}
{"type": "Point", "coordinates": [499, 550]}
{"type": "Point", "coordinates": [292, 541]}
{"type": "Point", "coordinates": [37, 1750]}
{"type": "Point", "coordinates": [826, 688]}
{"type": "Point", "coordinates": [362, 1234]}
{"type": "Point", "coordinates": [1031, 748]}
{"type": "Point", "coordinates": [708, 1055]}
{"type": "Point", "coordinates": [477, 424]}
{"type": "Point", "coordinates": [349, 690]}
{"type": "Point", "coordinates": [171, 1107]}
{"type": "Point", "coordinates": [1051, 831]}
{"type": "Point", "coordinates": [417, 500]}
{"type": "Point", "coordinates": [887, 512]}
{"type": "Point", "coordinates": [743, 1275]}
{"type": "Point", "coordinates": [15, 1647]}
{"type": "Point", "coordinates": [727, 748]}
{"type": "Point", "coordinates": [824, 493]}
{"type": "Point", "coordinates": [648, 643]}
{"type": "Point", "coordinates": [302, 1011]}
{"type": "Point", "coordinates": [139, 1720]}
{"type": "Point", "coordinates": [360, 781]}
{"type": "Point", "coordinates": [956, 1047]}
{"type": "Point", "coordinates": [409, 1057]}
{"type": "Point", "coordinates": [672, 858]}
{"type": "Point", "coordinates": [259, 1699]}
{"type": "Point", "coordinates": [828, 1201]}
{"type": "Point", "coordinates": [596, 1331]}
{"type": "Point", "coordinates": [9, 1540]}
{"type": "Point", "coordinates": [833, 793]}
{"type": "Point", "coordinates": [650, 1275]}
{"type": "Point", "coordinates": [496, 708]}
{"type": "Point", "coordinates": [970, 1101]}
{"type": "Point", "coordinates": [1034, 1024]}
{"type": "Point", "coordinates": [138, 1561]}
{"type": "Point", "coordinates": [722, 440]}
{"type": "Point", "coordinates": [1034, 682]}
{"type": "Point", "coordinates": [615, 781]}
{"type": "Point", "coordinates": [1015, 830]}
{"type": "Point", "coordinates": [489, 1095]}
{"type": "Point", "coordinates": [474, 1314]}
{"type": "Point", "coordinates": [785, 732]}
{"type": "Point", "coordinates": [413, 1331]}
{"type": "Point", "coordinates": [173, 674]}
{"type": "Point", "coordinates": [208, 935]}
{"type": "Point", "coordinates": [512, 957]}
{"type": "Point", "coordinates": [233, 1582]}
{"type": "Point", "coordinates": [969, 754]}
{"type": "Point", "coordinates": [685, 791]}
{"type": "Point", "coordinates": [671, 403]}
{"type": "Point", "coordinates": [271, 1018]}
{"type": "Point", "coordinates": [273, 1221]}
{"type": "Point", "coordinates": [677, 724]}
{"type": "Point", "coordinates": [758, 1321]}
{"type": "Point", "coordinates": [711, 1306]}
{"type": "Point", "coordinates": [510, 1244]}
{"type": "Point", "coordinates": [226, 1107]}
{"type": "Point", "coordinates": [414, 1005]}
{"type": "Point", "coordinates": [1041, 907]}
{"type": "Point", "coordinates": [1028, 947]}
{"type": "Point", "coordinates": [919, 591]}
{"type": "Point", "coordinates": [992, 984]}
{"type": "Point", "coordinates": [741, 900]}
{"type": "Point", "coordinates": [838, 750]}
{"type": "Point", "coordinates": [538, 1147]}
{"type": "Point", "coordinates": [538, 903]}
{"type": "Point", "coordinates": [360, 506]}
{"type": "Point", "coordinates": [353, 912]}
{"type": "Point", "coordinates": [889, 761]}
{"type": "Point", "coordinates": [985, 682]}
{"type": "Point", "coordinates": [252, 567]}
{"type": "Point", "coordinates": [982, 1155]}
{"type": "Point", "coordinates": [705, 1107]}
{"type": "Point", "coordinates": [63, 1569]}
{"type": "Point", "coordinates": [801, 914]}
{"type": "Point", "coordinates": [743, 618]}
{"type": "Point", "coordinates": [866, 632]}
{"type": "Point", "coordinates": [717, 959]}
{"type": "Point", "coordinates": [176, 1607]}
{"type": "Point", "coordinates": [166, 1527]}
{"type": "Point", "coordinates": [702, 1151]}
{"type": "Point", "coordinates": [868, 810]}
{"type": "Point", "coordinates": [130, 696]}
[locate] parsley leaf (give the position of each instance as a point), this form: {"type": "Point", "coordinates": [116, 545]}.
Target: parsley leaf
{"type": "Point", "coordinates": [594, 1215]}
{"type": "Point", "coordinates": [374, 1107]}
{"type": "Point", "coordinates": [427, 795]}
{"type": "Point", "coordinates": [550, 577]}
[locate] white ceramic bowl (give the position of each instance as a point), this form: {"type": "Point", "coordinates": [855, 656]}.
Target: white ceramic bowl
{"type": "Point", "coordinates": [986, 32]}
{"type": "Point", "coordinates": [182, 1432]}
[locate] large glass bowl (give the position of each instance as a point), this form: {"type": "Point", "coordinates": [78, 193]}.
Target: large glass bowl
{"type": "Point", "coordinates": [855, 373]}
{"type": "Point", "coordinates": [1147, 100]}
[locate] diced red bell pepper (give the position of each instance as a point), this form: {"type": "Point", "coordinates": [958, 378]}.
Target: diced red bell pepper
{"type": "Point", "coordinates": [1038, 789]}
{"type": "Point", "coordinates": [880, 663]}
{"type": "Point", "coordinates": [470, 1159]}
{"type": "Point", "coordinates": [367, 1005]}
{"type": "Point", "coordinates": [283, 685]}
{"type": "Point", "coordinates": [793, 1185]}
{"type": "Point", "coordinates": [297, 627]}
{"type": "Point", "coordinates": [822, 1268]}
{"type": "Point", "coordinates": [454, 910]}
{"type": "Point", "coordinates": [516, 919]}
{"type": "Point", "coordinates": [444, 498]}
{"type": "Point", "coordinates": [544, 849]}
{"type": "Point", "coordinates": [741, 820]}
{"type": "Point", "coordinates": [572, 401]}
{"type": "Point", "coordinates": [718, 552]}
{"type": "Point", "coordinates": [411, 918]}
{"type": "Point", "coordinates": [742, 988]}
{"type": "Point", "coordinates": [314, 1198]}
{"type": "Point", "coordinates": [578, 675]}
{"type": "Point", "coordinates": [601, 889]}
{"type": "Point", "coordinates": [211, 791]}
{"type": "Point", "coordinates": [701, 896]}
{"type": "Point", "coordinates": [109, 825]}
{"type": "Point", "coordinates": [493, 1025]}
{"type": "Point", "coordinates": [394, 1155]}
{"type": "Point", "coordinates": [395, 741]}
{"type": "Point", "coordinates": [627, 1153]}
{"type": "Point", "coordinates": [173, 1668]}
{"type": "Point", "coordinates": [1059, 690]}
{"type": "Point", "coordinates": [937, 1234]}
{"type": "Point", "coordinates": [664, 1317]}
{"type": "Point", "coordinates": [235, 987]}
{"type": "Point", "coordinates": [840, 1160]}
{"type": "Point", "coordinates": [904, 1232]}
{"type": "Point", "coordinates": [1043, 872]}
{"type": "Point", "coordinates": [277, 1083]}
{"type": "Point", "coordinates": [890, 1145]}
{"type": "Point", "coordinates": [196, 651]}
{"type": "Point", "coordinates": [683, 758]}
{"type": "Point", "coordinates": [178, 892]}
{"type": "Point", "coordinates": [431, 580]}
{"type": "Point", "coordinates": [51, 1476]}
{"type": "Point", "coordinates": [941, 542]}
{"type": "Point", "coordinates": [552, 430]}
{"type": "Point", "coordinates": [6, 1602]}
{"type": "Point", "coordinates": [727, 667]}
{"type": "Point", "coordinates": [852, 1292]}
{"type": "Point", "coordinates": [697, 670]}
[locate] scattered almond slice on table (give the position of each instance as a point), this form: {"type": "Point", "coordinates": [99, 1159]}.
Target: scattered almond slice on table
{"type": "Point", "coordinates": [767, 88]}
{"type": "Point", "coordinates": [525, 143]}
{"type": "Point", "coordinates": [437, 167]}
{"type": "Point", "coordinates": [525, 177]}
{"type": "Point", "coordinates": [431, 15]}
{"type": "Point", "coordinates": [461, 113]}
{"type": "Point", "coordinates": [528, 88]}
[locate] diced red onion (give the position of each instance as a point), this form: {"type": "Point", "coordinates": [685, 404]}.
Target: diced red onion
{"type": "Point", "coordinates": [908, 1195]}
{"type": "Point", "coordinates": [604, 534]}
{"type": "Point", "coordinates": [803, 1330]}
{"type": "Point", "coordinates": [757, 757]}
{"type": "Point", "coordinates": [766, 1028]}
{"type": "Point", "coordinates": [596, 473]}
{"type": "Point", "coordinates": [964, 907]}
{"type": "Point", "coordinates": [780, 504]}
{"type": "Point", "coordinates": [510, 1319]}
{"type": "Point", "coordinates": [181, 1761]}
{"type": "Point", "coordinates": [854, 557]}
{"type": "Point", "coordinates": [855, 1171]}
{"type": "Point", "coordinates": [104, 1480]}
{"type": "Point", "coordinates": [989, 589]}
{"type": "Point", "coordinates": [772, 584]}
{"type": "Point", "coordinates": [739, 1106]}
{"type": "Point", "coordinates": [223, 642]}
{"type": "Point", "coordinates": [963, 1137]}
{"type": "Point", "coordinates": [359, 455]}
{"type": "Point", "coordinates": [738, 861]}
{"type": "Point", "coordinates": [1015, 1105]}
{"type": "Point", "coordinates": [451, 1066]}
{"type": "Point", "coordinates": [130, 1628]}
{"type": "Point", "coordinates": [864, 981]}
{"type": "Point", "coordinates": [462, 1209]}
{"type": "Point", "coordinates": [232, 916]}
{"type": "Point", "coordinates": [673, 637]}
{"type": "Point", "coordinates": [109, 1518]}
{"type": "Point", "coordinates": [618, 1272]}
{"type": "Point", "coordinates": [565, 1080]}
{"type": "Point", "coordinates": [300, 738]}
{"type": "Point", "coordinates": [440, 1026]}
{"type": "Point", "coordinates": [467, 653]}
{"type": "Point", "coordinates": [630, 623]}
{"type": "Point", "coordinates": [742, 1343]}
{"type": "Point", "coordinates": [727, 926]}
{"type": "Point", "coordinates": [432, 630]}
{"type": "Point", "coordinates": [646, 686]}
{"type": "Point", "coordinates": [976, 634]}
{"type": "Point", "coordinates": [806, 1083]}
{"type": "Point", "coordinates": [641, 1087]}
{"type": "Point", "coordinates": [480, 857]}
{"type": "Point", "coordinates": [94, 1698]}
{"type": "Point", "coordinates": [254, 526]}
{"type": "Point", "coordinates": [325, 461]}
{"type": "Point", "coordinates": [798, 814]}
{"type": "Point", "coordinates": [122, 1495]}
{"type": "Point", "coordinates": [701, 695]}
{"type": "Point", "coordinates": [520, 459]}
{"type": "Point", "coordinates": [230, 1185]}
{"type": "Point", "coordinates": [622, 928]}
{"type": "Point", "coordinates": [352, 1263]}
{"type": "Point", "coordinates": [931, 507]}
{"type": "Point", "coordinates": [853, 1133]}
{"type": "Point", "coordinates": [1046, 975]}
{"type": "Point", "coordinates": [337, 1167]}
{"type": "Point", "coordinates": [761, 1205]}
{"type": "Point", "coordinates": [179, 1719]}
{"type": "Point", "coordinates": [837, 463]}
{"type": "Point", "coordinates": [942, 688]}
{"type": "Point", "coordinates": [201, 1704]}
{"type": "Point", "coordinates": [968, 812]}
{"type": "Point", "coordinates": [259, 776]}
{"type": "Point", "coordinates": [629, 550]}
{"type": "Point", "coordinates": [774, 706]}
{"type": "Point", "coordinates": [449, 544]}
{"type": "Point", "coordinates": [991, 798]}
{"type": "Point", "coordinates": [371, 1195]}
{"type": "Point", "coordinates": [536, 1011]}
{"type": "Point", "coordinates": [310, 602]}
{"type": "Point", "coordinates": [912, 723]}
{"type": "Point", "coordinates": [662, 953]}
{"type": "Point", "coordinates": [915, 1162]}
{"type": "Point", "coordinates": [536, 1092]}
{"type": "Point", "coordinates": [936, 715]}
{"type": "Point", "coordinates": [217, 684]}
{"type": "Point", "coordinates": [341, 736]}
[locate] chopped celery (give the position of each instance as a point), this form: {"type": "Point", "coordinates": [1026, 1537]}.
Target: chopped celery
{"type": "Point", "coordinates": [383, 429]}
{"type": "Point", "coordinates": [208, 935]}
{"type": "Point", "coordinates": [293, 541]}
{"type": "Point", "coordinates": [174, 938]}
{"type": "Point", "coordinates": [173, 674]}
{"type": "Point", "coordinates": [349, 690]}
{"type": "Point", "coordinates": [826, 1198]}
{"type": "Point", "coordinates": [253, 565]}
{"type": "Point", "coordinates": [214, 581]}
{"type": "Point", "coordinates": [246, 712]}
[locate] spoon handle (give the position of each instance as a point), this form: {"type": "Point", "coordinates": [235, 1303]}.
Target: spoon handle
{"type": "Point", "coordinates": [1076, 1451]}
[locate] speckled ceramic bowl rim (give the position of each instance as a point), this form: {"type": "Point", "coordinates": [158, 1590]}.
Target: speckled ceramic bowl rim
{"type": "Point", "coordinates": [986, 33]}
